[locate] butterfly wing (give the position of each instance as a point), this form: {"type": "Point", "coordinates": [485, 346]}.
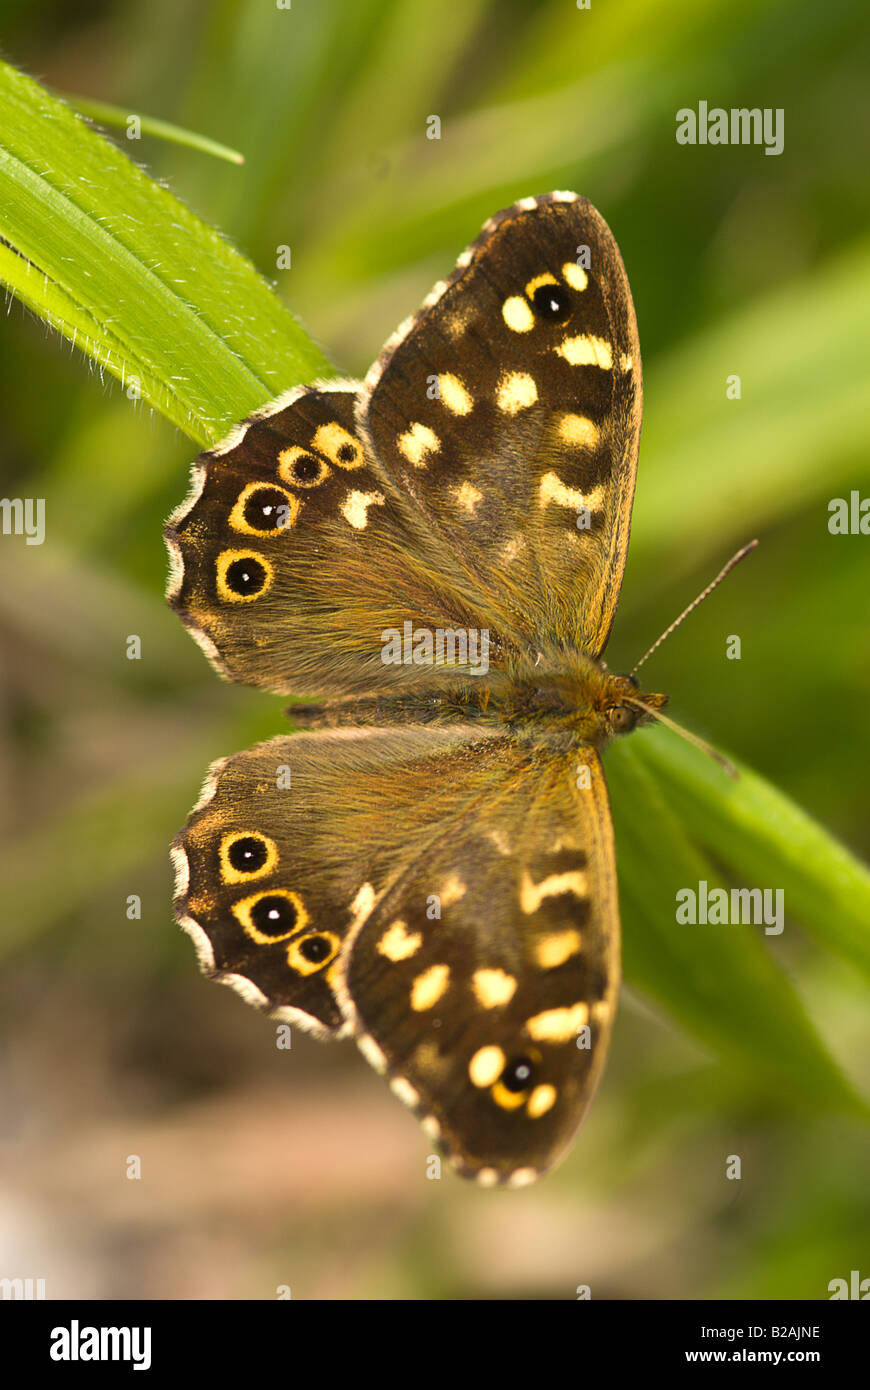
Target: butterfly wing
{"type": "Point", "coordinates": [509, 410]}
{"type": "Point", "coordinates": [295, 553]}
{"type": "Point", "coordinates": [444, 896]}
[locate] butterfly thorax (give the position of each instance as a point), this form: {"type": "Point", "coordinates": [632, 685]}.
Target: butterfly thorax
{"type": "Point", "coordinates": [559, 698]}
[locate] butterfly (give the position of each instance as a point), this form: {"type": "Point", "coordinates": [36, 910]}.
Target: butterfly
{"type": "Point", "coordinates": [432, 557]}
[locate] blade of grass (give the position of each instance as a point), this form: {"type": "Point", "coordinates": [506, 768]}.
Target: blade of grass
{"type": "Point", "coordinates": [105, 113]}
{"type": "Point", "coordinates": [718, 981]}
{"type": "Point", "coordinates": [168, 299]}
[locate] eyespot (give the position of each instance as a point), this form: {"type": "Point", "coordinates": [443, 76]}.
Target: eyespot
{"type": "Point", "coordinates": [551, 303]}
{"type": "Point", "coordinates": [622, 719]}
{"type": "Point", "coordinates": [311, 953]}
{"type": "Point", "coordinates": [512, 1087]}
{"type": "Point", "coordinates": [302, 468]}
{"type": "Point", "coordinates": [339, 445]}
{"type": "Point", "coordinates": [245, 855]}
{"type": "Point", "coordinates": [271, 916]}
{"type": "Point", "coordinates": [242, 576]}
{"type": "Point", "coordinates": [264, 510]}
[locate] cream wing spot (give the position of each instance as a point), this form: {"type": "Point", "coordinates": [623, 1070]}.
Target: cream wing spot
{"type": "Point", "coordinates": [584, 350]}
{"type": "Point", "coordinates": [552, 489]}
{"type": "Point", "coordinates": [533, 894]}
{"type": "Point", "coordinates": [397, 943]}
{"type": "Point", "coordinates": [486, 1066]}
{"type": "Point", "coordinates": [493, 987]}
{"type": "Point", "coordinates": [578, 431]}
{"type": "Point", "coordinates": [355, 508]}
{"type": "Point", "coordinates": [417, 443]}
{"type": "Point", "coordinates": [453, 394]}
{"type": "Point", "coordinates": [558, 1025]}
{"type": "Point", "coordinates": [516, 391]}
{"type": "Point", "coordinates": [574, 275]}
{"type": "Point", "coordinates": [542, 1099]}
{"type": "Point", "coordinates": [468, 496]}
{"type": "Point", "coordinates": [453, 889]}
{"type": "Point", "coordinates": [429, 987]}
{"type": "Point", "coordinates": [405, 1091]}
{"type": "Point", "coordinates": [517, 314]}
{"type": "Point", "coordinates": [555, 949]}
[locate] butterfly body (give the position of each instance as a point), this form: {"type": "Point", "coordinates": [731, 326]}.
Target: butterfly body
{"type": "Point", "coordinates": [434, 556]}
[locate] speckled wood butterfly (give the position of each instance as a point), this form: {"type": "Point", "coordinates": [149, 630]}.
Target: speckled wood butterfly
{"type": "Point", "coordinates": [435, 553]}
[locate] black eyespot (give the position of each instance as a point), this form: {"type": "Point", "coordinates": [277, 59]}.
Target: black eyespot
{"type": "Point", "coordinates": [305, 468]}
{"type": "Point", "coordinates": [266, 509]}
{"type": "Point", "coordinates": [245, 577]}
{"type": "Point", "coordinates": [315, 948]}
{"type": "Point", "coordinates": [622, 719]}
{"type": "Point", "coordinates": [517, 1075]}
{"type": "Point", "coordinates": [346, 453]}
{"type": "Point", "coordinates": [552, 302]}
{"type": "Point", "coordinates": [247, 854]}
{"type": "Point", "coordinates": [273, 915]}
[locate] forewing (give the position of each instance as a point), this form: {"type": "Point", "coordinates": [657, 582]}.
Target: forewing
{"type": "Point", "coordinates": [509, 409]}
{"type": "Point", "coordinates": [295, 554]}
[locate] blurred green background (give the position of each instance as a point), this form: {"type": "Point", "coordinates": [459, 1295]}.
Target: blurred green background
{"type": "Point", "coordinates": [259, 1167]}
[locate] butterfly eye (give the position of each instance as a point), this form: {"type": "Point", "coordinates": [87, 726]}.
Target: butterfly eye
{"type": "Point", "coordinates": [302, 468]}
{"type": "Point", "coordinates": [552, 303]}
{"type": "Point", "coordinates": [622, 719]}
{"type": "Point", "coordinates": [242, 576]}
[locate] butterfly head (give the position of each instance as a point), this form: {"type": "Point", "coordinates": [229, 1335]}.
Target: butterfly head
{"type": "Point", "coordinates": [624, 710]}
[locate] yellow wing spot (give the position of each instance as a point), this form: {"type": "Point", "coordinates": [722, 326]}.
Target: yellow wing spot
{"type": "Point", "coordinates": [239, 521]}
{"type": "Point", "coordinates": [533, 894]}
{"type": "Point", "coordinates": [486, 1177]}
{"type": "Point", "coordinates": [339, 445]}
{"type": "Point", "coordinates": [295, 920]}
{"type": "Point", "coordinates": [241, 582]}
{"type": "Point", "coordinates": [511, 549]}
{"type": "Point", "coordinates": [313, 952]}
{"type": "Point", "coordinates": [555, 949]}
{"type": "Point", "coordinates": [468, 497]}
{"type": "Point", "coordinates": [428, 988]}
{"type": "Point", "coordinates": [229, 873]}
{"type": "Point", "coordinates": [522, 1177]}
{"type": "Point", "coordinates": [362, 906]}
{"type": "Point", "coordinates": [454, 888]}
{"type": "Point", "coordinates": [586, 351]}
{"type": "Point", "coordinates": [486, 1066]}
{"type": "Point", "coordinates": [397, 943]}
{"type": "Point", "coordinates": [372, 1053]}
{"type": "Point", "coordinates": [558, 1025]}
{"type": "Point", "coordinates": [601, 1011]}
{"type": "Point", "coordinates": [454, 395]}
{"type": "Point", "coordinates": [517, 314]}
{"type": "Point", "coordinates": [493, 987]}
{"type": "Point", "coordinates": [625, 362]}
{"type": "Point", "coordinates": [552, 489]}
{"type": "Point", "coordinates": [539, 280]}
{"type": "Point", "coordinates": [355, 508]}
{"type": "Point", "coordinates": [542, 1099]}
{"type": "Point", "coordinates": [417, 442]}
{"type": "Point", "coordinates": [578, 431]}
{"type": "Point", "coordinates": [574, 275]}
{"type": "Point", "coordinates": [516, 391]}
{"type": "Point", "coordinates": [499, 839]}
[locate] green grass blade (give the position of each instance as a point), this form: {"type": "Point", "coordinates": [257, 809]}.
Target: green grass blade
{"type": "Point", "coordinates": [719, 981]}
{"type": "Point", "coordinates": [106, 114]}
{"type": "Point", "coordinates": [169, 298]}
{"type": "Point", "coordinates": [763, 838]}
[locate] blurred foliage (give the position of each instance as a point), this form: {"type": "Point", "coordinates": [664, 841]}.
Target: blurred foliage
{"type": "Point", "coordinates": [739, 263]}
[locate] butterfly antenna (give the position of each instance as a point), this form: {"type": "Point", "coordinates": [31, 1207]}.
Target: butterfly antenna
{"type": "Point", "coordinates": [735, 560]}
{"type": "Point", "coordinates": [686, 734]}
